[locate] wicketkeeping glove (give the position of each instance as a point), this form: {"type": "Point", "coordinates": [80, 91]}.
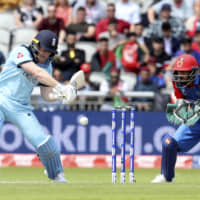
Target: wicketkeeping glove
{"type": "Point", "coordinates": [193, 114]}
{"type": "Point", "coordinates": [177, 113]}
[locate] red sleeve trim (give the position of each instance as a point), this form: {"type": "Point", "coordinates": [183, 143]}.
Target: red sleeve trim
{"type": "Point", "coordinates": [177, 92]}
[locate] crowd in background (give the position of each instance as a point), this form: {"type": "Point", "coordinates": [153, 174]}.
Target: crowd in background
{"type": "Point", "coordinates": [129, 40]}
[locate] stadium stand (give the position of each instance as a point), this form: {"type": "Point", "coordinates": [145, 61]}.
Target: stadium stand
{"type": "Point", "coordinates": [22, 36]}
{"type": "Point", "coordinates": [61, 47]}
{"type": "Point", "coordinates": [5, 40]}
{"type": "Point", "coordinates": [7, 20]}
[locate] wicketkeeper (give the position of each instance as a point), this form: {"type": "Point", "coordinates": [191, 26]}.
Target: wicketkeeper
{"type": "Point", "coordinates": [186, 113]}
{"type": "Point", "coordinates": [25, 68]}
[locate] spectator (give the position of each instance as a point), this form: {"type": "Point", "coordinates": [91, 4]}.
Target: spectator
{"type": "Point", "coordinates": [102, 26]}
{"type": "Point", "coordinates": [104, 59]}
{"type": "Point", "coordinates": [71, 59]}
{"type": "Point", "coordinates": [155, 76]}
{"type": "Point", "coordinates": [158, 53]}
{"type": "Point", "coordinates": [171, 44]}
{"type": "Point", "coordinates": [186, 48]}
{"type": "Point", "coordinates": [129, 12]}
{"type": "Point", "coordinates": [196, 43]}
{"type": "Point", "coordinates": [115, 87]}
{"type": "Point", "coordinates": [131, 54]}
{"type": "Point", "coordinates": [89, 86]}
{"type": "Point", "coordinates": [51, 22]}
{"type": "Point", "coordinates": [145, 84]}
{"type": "Point", "coordinates": [63, 11]}
{"type": "Point", "coordinates": [28, 14]}
{"type": "Point", "coordinates": [180, 8]}
{"type": "Point", "coordinates": [115, 39]}
{"type": "Point", "coordinates": [94, 10]}
{"type": "Point", "coordinates": [86, 68]}
{"type": "Point", "coordinates": [142, 40]}
{"type": "Point", "coordinates": [193, 22]}
{"type": "Point", "coordinates": [85, 31]}
{"type": "Point", "coordinates": [144, 5]}
{"type": "Point", "coordinates": [139, 28]}
{"type": "Point", "coordinates": [177, 25]}
{"type": "Point", "coordinates": [163, 60]}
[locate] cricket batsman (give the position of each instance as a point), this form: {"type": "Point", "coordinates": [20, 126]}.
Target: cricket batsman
{"type": "Point", "coordinates": [185, 112]}
{"type": "Point", "coordinates": [26, 67]}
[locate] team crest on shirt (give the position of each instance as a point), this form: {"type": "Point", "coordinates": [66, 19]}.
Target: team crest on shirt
{"type": "Point", "coordinates": [20, 55]}
{"type": "Point", "coordinates": [29, 77]}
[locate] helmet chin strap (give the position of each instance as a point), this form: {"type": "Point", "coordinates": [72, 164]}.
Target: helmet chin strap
{"type": "Point", "coordinates": [184, 85]}
{"type": "Point", "coordinates": [35, 51]}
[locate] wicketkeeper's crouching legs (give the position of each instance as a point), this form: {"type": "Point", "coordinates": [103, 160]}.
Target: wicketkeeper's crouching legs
{"type": "Point", "coordinates": [50, 158]}
{"type": "Point", "coordinates": [169, 154]}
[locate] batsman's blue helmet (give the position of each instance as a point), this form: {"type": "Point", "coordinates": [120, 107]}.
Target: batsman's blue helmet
{"type": "Point", "coordinates": [45, 39]}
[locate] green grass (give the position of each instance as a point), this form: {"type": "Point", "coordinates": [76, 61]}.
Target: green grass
{"type": "Point", "coordinates": [31, 183]}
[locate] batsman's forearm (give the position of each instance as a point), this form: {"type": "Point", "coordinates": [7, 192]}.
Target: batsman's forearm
{"type": "Point", "coordinates": [45, 78]}
{"type": "Point", "coordinates": [48, 94]}
{"type": "Point", "coordinates": [39, 73]}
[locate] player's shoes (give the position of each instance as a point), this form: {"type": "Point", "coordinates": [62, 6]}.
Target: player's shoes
{"type": "Point", "coordinates": [60, 178]}
{"type": "Point", "coordinates": [159, 179]}
{"type": "Point", "coordinates": [45, 172]}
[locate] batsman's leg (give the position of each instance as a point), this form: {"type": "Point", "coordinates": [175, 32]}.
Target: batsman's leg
{"type": "Point", "coordinates": [50, 158]}
{"type": "Point", "coordinates": [2, 118]}
{"type": "Point", "coordinates": [45, 146]}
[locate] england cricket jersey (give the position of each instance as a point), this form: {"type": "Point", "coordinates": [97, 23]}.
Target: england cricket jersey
{"type": "Point", "coordinates": [15, 83]}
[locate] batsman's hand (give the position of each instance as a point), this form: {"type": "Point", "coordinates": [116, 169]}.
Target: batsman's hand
{"type": "Point", "coordinates": [66, 93]}
{"type": "Point", "coordinates": [70, 94]}
{"type": "Point", "coordinates": [59, 90]}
